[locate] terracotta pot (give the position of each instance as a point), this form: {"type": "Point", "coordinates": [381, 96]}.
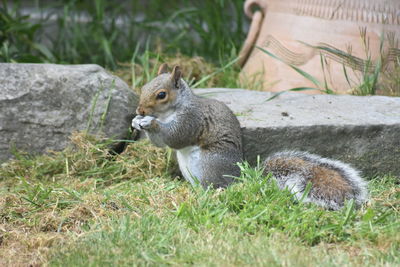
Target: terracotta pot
{"type": "Point", "coordinates": [332, 28]}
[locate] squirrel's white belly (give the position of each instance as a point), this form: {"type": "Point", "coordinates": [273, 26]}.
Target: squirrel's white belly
{"type": "Point", "coordinates": [188, 159]}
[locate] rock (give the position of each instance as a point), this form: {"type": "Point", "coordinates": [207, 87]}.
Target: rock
{"type": "Point", "coordinates": [361, 130]}
{"type": "Point", "coordinates": [42, 104]}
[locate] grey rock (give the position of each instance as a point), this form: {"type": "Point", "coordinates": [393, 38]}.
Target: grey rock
{"type": "Point", "coordinates": [361, 130]}
{"type": "Point", "coordinates": [42, 104]}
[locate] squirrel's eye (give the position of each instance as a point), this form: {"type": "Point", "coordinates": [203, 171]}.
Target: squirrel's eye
{"type": "Point", "coordinates": [161, 95]}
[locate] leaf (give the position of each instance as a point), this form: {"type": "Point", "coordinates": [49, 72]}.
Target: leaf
{"type": "Point", "coordinates": [368, 215]}
{"type": "Point", "coordinates": [204, 79]}
{"type": "Point", "coordinates": [301, 72]}
{"type": "Point", "coordinates": [45, 51]}
{"type": "Point", "coordinates": [296, 89]}
{"type": "Point", "coordinates": [349, 211]}
{"type": "Point", "coordinates": [346, 75]}
{"type": "Point", "coordinates": [27, 58]}
{"type": "Point", "coordinates": [306, 192]}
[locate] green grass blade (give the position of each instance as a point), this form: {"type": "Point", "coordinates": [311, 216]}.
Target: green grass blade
{"type": "Point", "coordinates": [349, 212]}
{"type": "Point", "coordinates": [296, 89]}
{"type": "Point", "coordinates": [301, 72]}
{"type": "Point", "coordinates": [207, 77]}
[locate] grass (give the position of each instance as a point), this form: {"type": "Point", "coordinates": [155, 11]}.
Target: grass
{"type": "Point", "coordinates": [106, 33]}
{"type": "Point", "coordinates": [371, 71]}
{"type": "Point", "coordinates": [197, 71]}
{"type": "Point", "coordinates": [81, 207]}
{"type": "Point", "coordinates": [120, 38]}
{"type": "Point", "coordinates": [373, 76]}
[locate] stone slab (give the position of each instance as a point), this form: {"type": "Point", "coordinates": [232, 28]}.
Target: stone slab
{"type": "Point", "coordinates": [361, 130]}
{"type": "Point", "coordinates": [42, 104]}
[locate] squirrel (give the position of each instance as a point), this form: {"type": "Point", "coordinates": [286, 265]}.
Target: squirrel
{"type": "Point", "coordinates": [208, 142]}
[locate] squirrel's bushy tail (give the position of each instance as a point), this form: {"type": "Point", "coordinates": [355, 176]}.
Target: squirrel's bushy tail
{"type": "Point", "coordinates": [332, 182]}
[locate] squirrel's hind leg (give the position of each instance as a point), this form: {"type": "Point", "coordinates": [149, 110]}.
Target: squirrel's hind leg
{"type": "Point", "coordinates": [199, 166]}
{"type": "Point", "coordinates": [219, 169]}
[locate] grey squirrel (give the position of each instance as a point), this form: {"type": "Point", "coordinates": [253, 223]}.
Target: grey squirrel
{"type": "Point", "coordinates": [207, 138]}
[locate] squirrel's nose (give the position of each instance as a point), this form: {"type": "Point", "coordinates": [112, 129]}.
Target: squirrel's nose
{"type": "Point", "coordinates": [140, 111]}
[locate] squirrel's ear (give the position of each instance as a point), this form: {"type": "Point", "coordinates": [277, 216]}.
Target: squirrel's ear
{"type": "Point", "coordinates": [176, 76]}
{"type": "Point", "coordinates": [163, 68]}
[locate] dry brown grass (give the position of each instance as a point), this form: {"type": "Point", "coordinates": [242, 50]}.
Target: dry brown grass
{"type": "Point", "coordinates": [78, 177]}
{"type": "Point", "coordinates": [194, 68]}
{"type": "Point", "coordinates": [55, 201]}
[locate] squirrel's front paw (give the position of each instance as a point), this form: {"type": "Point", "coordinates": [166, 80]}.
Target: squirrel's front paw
{"type": "Point", "coordinates": [145, 123]}
{"type": "Point", "coordinates": [136, 122]}
{"type": "Point", "coordinates": [142, 123]}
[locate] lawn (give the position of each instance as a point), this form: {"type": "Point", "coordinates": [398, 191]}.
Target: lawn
{"type": "Point", "coordinates": [81, 207]}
